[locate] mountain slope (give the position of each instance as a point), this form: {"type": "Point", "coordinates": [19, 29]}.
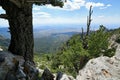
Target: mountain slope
{"type": "Point", "coordinates": [50, 44]}
{"type": "Point", "coordinates": [4, 42]}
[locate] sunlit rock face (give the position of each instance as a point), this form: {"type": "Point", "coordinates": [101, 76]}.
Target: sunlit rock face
{"type": "Point", "coordinates": [1, 49]}
{"type": "Point", "coordinates": [102, 68]}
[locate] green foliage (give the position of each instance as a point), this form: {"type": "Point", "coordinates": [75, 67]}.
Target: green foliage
{"type": "Point", "coordinates": [4, 43]}
{"type": "Point", "coordinates": [98, 42]}
{"type": "Point", "coordinates": [43, 60]}
{"type": "Point", "coordinates": [49, 44]}
{"type": "Point", "coordinates": [59, 3]}
{"type": "Point", "coordinates": [73, 56]}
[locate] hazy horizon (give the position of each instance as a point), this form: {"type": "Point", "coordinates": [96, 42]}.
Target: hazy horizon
{"type": "Point", "coordinates": [105, 12]}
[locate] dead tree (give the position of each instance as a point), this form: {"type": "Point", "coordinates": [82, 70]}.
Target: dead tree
{"type": "Point", "coordinates": [89, 20]}
{"type": "Point", "coordinates": [85, 39]}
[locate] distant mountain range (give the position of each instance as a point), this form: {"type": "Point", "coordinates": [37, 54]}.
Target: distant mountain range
{"type": "Point", "coordinates": [46, 39]}
{"type": "Point", "coordinates": [4, 42]}
{"type": "Point", "coordinates": [4, 32]}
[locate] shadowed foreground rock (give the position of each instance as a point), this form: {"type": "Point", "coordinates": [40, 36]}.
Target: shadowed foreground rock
{"type": "Point", "coordinates": [14, 67]}
{"type": "Point", "coordinates": [63, 76]}
{"type": "Point", "coordinates": [47, 75]}
{"type": "Point", "coordinates": [102, 68]}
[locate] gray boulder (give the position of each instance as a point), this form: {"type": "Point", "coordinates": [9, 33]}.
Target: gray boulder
{"type": "Point", "coordinates": [14, 67]}
{"type": "Point", "coordinates": [102, 68]}
{"type": "Point", "coordinates": [63, 76]}
{"type": "Point", "coordinates": [47, 75]}
{"type": "Point", "coordinates": [59, 75]}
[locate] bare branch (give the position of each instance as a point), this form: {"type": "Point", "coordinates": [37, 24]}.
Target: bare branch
{"type": "Point", "coordinates": [89, 20]}
{"type": "Point", "coordinates": [82, 35]}
{"type": "Point", "coordinates": [4, 16]}
{"type": "Point", "coordinates": [85, 40]}
{"type": "Point", "coordinates": [16, 2]}
{"type": "Point", "coordinates": [40, 1]}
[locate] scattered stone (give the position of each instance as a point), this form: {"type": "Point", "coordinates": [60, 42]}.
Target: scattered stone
{"type": "Point", "coordinates": [1, 49]}
{"type": "Point", "coordinates": [63, 76]}
{"type": "Point", "coordinates": [59, 75]}
{"type": "Point", "coordinates": [47, 75]}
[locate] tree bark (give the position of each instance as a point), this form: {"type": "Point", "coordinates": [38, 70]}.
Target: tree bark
{"type": "Point", "coordinates": [21, 29]}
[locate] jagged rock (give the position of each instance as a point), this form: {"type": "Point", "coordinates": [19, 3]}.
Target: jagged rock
{"type": "Point", "coordinates": [1, 49]}
{"type": "Point", "coordinates": [47, 75]}
{"type": "Point", "coordinates": [30, 70]}
{"type": "Point", "coordinates": [62, 76]}
{"type": "Point", "coordinates": [66, 77]}
{"type": "Point", "coordinates": [5, 65]}
{"type": "Point", "coordinates": [112, 40]}
{"type": "Point", "coordinates": [117, 56]}
{"type": "Point", "coordinates": [13, 67]}
{"type": "Point", "coordinates": [40, 71]}
{"type": "Point", "coordinates": [59, 75]}
{"type": "Point", "coordinates": [102, 68]}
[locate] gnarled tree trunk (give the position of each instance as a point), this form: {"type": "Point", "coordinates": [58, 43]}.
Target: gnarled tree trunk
{"type": "Point", "coordinates": [21, 28]}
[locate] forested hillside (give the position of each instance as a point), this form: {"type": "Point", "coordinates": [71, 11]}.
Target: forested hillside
{"type": "Point", "coordinates": [4, 42]}
{"type": "Point", "coordinates": [72, 56]}
{"type": "Point", "coordinates": [45, 42]}
{"type": "Point", "coordinates": [51, 43]}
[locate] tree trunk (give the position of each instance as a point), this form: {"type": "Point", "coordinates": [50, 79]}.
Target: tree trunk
{"type": "Point", "coordinates": [21, 29]}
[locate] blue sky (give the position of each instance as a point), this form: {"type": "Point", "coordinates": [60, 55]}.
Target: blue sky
{"type": "Point", "coordinates": [105, 12]}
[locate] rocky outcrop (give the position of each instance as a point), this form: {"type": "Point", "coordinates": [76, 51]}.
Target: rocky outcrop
{"type": "Point", "coordinates": [13, 67]}
{"type": "Point", "coordinates": [1, 49]}
{"type": "Point", "coordinates": [47, 75]}
{"type": "Point", "coordinates": [62, 76]}
{"type": "Point", "coordinates": [102, 68]}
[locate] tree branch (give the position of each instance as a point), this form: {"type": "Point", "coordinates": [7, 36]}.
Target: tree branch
{"type": "Point", "coordinates": [16, 2]}
{"type": "Point", "coordinates": [4, 16]}
{"type": "Point", "coordinates": [39, 1]}
{"type": "Point", "coordinates": [89, 20]}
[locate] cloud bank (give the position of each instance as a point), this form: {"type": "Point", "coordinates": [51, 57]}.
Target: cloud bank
{"type": "Point", "coordinates": [71, 5]}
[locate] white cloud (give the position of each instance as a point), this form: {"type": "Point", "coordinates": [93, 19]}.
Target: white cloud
{"type": "Point", "coordinates": [0, 8]}
{"type": "Point", "coordinates": [101, 16]}
{"type": "Point", "coordinates": [88, 4]}
{"type": "Point", "coordinates": [70, 5]}
{"type": "Point", "coordinates": [104, 7]}
{"type": "Point", "coordinates": [41, 15]}
{"type": "Point", "coordinates": [109, 5]}
{"type": "Point", "coordinates": [57, 20]}
{"type": "Point", "coordinates": [36, 8]}
{"type": "Point", "coordinates": [3, 23]}
{"type": "Point", "coordinates": [77, 4]}
{"type": "Point", "coordinates": [105, 19]}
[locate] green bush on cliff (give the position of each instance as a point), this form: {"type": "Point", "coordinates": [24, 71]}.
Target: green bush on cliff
{"type": "Point", "coordinates": [73, 56]}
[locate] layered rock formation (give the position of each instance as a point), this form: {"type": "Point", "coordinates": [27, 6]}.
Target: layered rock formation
{"type": "Point", "coordinates": [102, 68]}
